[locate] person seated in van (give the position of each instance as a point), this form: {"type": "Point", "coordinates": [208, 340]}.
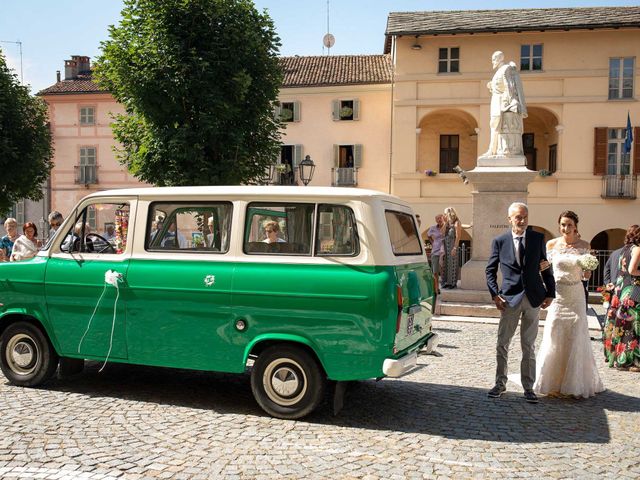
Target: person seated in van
{"type": "Point", "coordinates": [73, 238]}
{"type": "Point", "coordinates": [27, 245]}
{"type": "Point", "coordinates": [110, 233]}
{"type": "Point", "coordinates": [271, 230]}
{"type": "Point", "coordinates": [173, 238]}
{"type": "Point", "coordinates": [211, 237]}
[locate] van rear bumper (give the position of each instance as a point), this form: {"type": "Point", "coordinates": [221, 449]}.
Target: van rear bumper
{"type": "Point", "coordinates": [397, 367]}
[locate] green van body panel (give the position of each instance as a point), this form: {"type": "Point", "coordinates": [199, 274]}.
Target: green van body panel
{"type": "Point", "coordinates": [74, 289]}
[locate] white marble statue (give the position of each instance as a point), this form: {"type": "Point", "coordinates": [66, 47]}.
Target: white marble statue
{"type": "Point", "coordinates": [508, 108]}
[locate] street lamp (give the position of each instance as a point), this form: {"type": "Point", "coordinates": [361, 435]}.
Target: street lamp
{"type": "Point", "coordinates": [306, 168]}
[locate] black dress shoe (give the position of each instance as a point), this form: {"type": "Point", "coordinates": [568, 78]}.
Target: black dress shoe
{"type": "Point", "coordinates": [530, 397]}
{"type": "Point", "coordinates": [496, 391]}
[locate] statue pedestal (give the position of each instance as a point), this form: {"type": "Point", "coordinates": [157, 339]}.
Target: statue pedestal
{"type": "Point", "coordinates": [495, 188]}
{"type": "Point", "coordinates": [502, 161]}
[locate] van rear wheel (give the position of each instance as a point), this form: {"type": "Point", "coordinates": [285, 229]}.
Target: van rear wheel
{"type": "Point", "coordinates": [27, 358]}
{"type": "Point", "coordinates": [287, 382]}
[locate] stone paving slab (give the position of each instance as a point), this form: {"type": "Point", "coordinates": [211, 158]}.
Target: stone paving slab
{"type": "Point", "coordinates": [138, 423]}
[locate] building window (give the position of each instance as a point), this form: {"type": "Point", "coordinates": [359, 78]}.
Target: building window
{"type": "Point", "coordinates": [621, 77]}
{"type": "Point", "coordinates": [87, 169]}
{"type": "Point", "coordinates": [618, 163]}
{"type": "Point", "coordinates": [530, 152]}
{"type": "Point", "coordinates": [87, 116]}
{"type": "Point", "coordinates": [449, 152]}
{"type": "Point", "coordinates": [553, 158]}
{"type": "Point", "coordinates": [345, 110]}
{"type": "Point", "coordinates": [288, 112]}
{"type": "Point", "coordinates": [449, 60]}
{"type": "Point", "coordinates": [531, 57]}
{"type": "Point", "coordinates": [346, 161]}
{"type": "Point", "coordinates": [19, 213]}
{"type": "Point", "coordinates": [290, 156]}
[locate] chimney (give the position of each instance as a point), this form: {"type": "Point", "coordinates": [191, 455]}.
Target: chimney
{"type": "Point", "coordinates": [83, 64]}
{"type": "Point", "coordinates": [57, 76]}
{"type": "Point", "coordinates": [70, 69]}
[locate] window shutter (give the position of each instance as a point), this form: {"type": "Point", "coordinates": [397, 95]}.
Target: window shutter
{"type": "Point", "coordinates": [336, 110]}
{"type": "Point", "coordinates": [296, 111]}
{"type": "Point", "coordinates": [297, 156]}
{"type": "Point", "coordinates": [276, 111]}
{"type": "Point", "coordinates": [336, 156]}
{"type": "Point", "coordinates": [357, 155]}
{"type": "Point", "coordinates": [356, 109]}
{"type": "Point", "coordinates": [600, 151]}
{"type": "Point", "coordinates": [636, 150]}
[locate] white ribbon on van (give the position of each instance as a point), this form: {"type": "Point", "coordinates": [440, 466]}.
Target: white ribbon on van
{"type": "Point", "coordinates": [112, 278]}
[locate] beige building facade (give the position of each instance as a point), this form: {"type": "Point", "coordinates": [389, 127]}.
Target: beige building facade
{"type": "Point", "coordinates": [579, 71]}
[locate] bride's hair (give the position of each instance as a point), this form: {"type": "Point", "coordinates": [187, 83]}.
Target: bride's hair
{"type": "Point", "coordinates": [569, 214]}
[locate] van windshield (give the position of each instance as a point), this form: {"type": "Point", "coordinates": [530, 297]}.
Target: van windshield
{"type": "Point", "coordinates": [403, 233]}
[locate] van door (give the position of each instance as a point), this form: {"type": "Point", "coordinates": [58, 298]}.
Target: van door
{"type": "Point", "coordinates": [179, 312]}
{"type": "Point", "coordinates": [88, 315]}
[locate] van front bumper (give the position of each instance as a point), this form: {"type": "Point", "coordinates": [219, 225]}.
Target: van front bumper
{"type": "Point", "coordinates": [397, 367]}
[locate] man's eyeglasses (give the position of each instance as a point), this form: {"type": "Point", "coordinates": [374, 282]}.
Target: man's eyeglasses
{"type": "Point", "coordinates": [54, 225]}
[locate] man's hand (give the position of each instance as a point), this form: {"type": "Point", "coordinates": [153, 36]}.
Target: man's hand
{"type": "Point", "coordinates": [500, 302]}
{"type": "Point", "coordinates": [546, 302]}
{"type": "Point", "coordinates": [544, 264]}
{"type": "Point", "coordinates": [586, 274]}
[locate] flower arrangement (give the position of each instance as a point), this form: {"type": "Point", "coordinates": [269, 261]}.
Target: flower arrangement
{"type": "Point", "coordinates": [286, 114]}
{"type": "Point", "coordinates": [282, 167]}
{"type": "Point", "coordinates": [430, 173]}
{"type": "Point", "coordinates": [346, 112]}
{"type": "Point", "coordinates": [544, 173]}
{"type": "Point", "coordinates": [588, 262]}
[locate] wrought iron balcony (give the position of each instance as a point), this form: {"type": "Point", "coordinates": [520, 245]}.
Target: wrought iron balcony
{"type": "Point", "coordinates": [344, 177]}
{"type": "Point", "coordinates": [619, 186]}
{"type": "Point", "coordinates": [86, 174]}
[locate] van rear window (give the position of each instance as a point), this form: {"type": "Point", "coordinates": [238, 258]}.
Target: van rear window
{"type": "Point", "coordinates": [403, 233]}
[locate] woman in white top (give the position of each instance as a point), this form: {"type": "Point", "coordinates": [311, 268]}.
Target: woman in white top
{"type": "Point", "coordinates": [26, 246]}
{"type": "Point", "coordinates": [271, 230]}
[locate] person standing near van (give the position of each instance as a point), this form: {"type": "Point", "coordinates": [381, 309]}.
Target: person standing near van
{"type": "Point", "coordinates": [435, 236]}
{"type": "Point", "coordinates": [525, 289]}
{"type": "Point", "coordinates": [452, 233]}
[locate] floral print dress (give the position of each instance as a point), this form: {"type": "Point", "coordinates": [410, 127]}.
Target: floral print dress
{"type": "Point", "coordinates": [622, 328]}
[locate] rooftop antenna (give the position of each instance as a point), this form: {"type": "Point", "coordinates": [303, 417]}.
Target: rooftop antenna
{"type": "Point", "coordinates": [328, 40]}
{"type": "Point", "coordinates": [19, 43]}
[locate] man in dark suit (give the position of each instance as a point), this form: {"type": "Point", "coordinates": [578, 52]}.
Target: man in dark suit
{"type": "Point", "coordinates": [525, 289]}
{"type": "Point", "coordinates": [611, 267]}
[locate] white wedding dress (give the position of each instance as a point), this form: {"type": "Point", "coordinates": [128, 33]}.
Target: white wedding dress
{"type": "Point", "coordinates": [565, 362]}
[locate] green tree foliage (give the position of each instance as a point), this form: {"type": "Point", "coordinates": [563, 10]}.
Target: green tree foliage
{"type": "Point", "coordinates": [198, 80]}
{"type": "Point", "coordinates": [25, 141]}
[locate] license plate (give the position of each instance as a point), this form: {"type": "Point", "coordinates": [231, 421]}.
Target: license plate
{"type": "Point", "coordinates": [409, 324]}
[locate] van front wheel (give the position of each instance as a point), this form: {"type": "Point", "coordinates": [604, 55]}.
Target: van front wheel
{"type": "Point", "coordinates": [287, 382]}
{"type": "Point", "coordinates": [26, 356]}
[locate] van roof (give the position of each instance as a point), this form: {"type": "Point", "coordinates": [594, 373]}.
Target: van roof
{"type": "Point", "coordinates": [240, 191]}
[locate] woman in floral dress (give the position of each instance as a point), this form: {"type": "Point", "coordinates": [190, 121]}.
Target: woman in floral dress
{"type": "Point", "coordinates": [622, 329]}
{"type": "Point", "coordinates": [451, 240]}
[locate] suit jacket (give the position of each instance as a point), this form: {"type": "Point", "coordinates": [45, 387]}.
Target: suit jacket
{"type": "Point", "coordinates": [611, 267]}
{"type": "Point", "coordinates": [516, 280]}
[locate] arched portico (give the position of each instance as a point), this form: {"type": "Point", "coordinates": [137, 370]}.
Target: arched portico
{"type": "Point", "coordinates": [541, 138]}
{"type": "Point", "coordinates": [447, 138]}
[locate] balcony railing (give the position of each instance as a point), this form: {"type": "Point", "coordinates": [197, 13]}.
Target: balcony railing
{"type": "Point", "coordinates": [86, 174]}
{"type": "Point", "coordinates": [619, 186]}
{"type": "Point", "coordinates": [344, 177]}
{"type": "Point", "coordinates": [285, 178]}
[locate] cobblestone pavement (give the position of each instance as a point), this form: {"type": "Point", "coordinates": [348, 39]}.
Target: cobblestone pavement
{"type": "Point", "coordinates": [140, 423]}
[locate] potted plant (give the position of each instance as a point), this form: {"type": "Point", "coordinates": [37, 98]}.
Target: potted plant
{"type": "Point", "coordinates": [346, 112]}
{"type": "Point", "coordinates": [430, 173]}
{"type": "Point", "coordinates": [544, 173]}
{"type": "Point", "coordinates": [286, 114]}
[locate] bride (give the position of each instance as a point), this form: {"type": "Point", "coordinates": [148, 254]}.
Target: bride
{"type": "Point", "coordinates": [566, 363]}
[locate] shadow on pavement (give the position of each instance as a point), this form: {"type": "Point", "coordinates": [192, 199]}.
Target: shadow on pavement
{"type": "Point", "coordinates": [450, 411]}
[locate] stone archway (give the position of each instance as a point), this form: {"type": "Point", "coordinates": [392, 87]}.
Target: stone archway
{"type": "Point", "coordinates": [610, 239]}
{"type": "Point", "coordinates": [447, 125]}
{"type": "Point", "coordinates": [547, 234]}
{"type": "Point", "coordinates": [540, 139]}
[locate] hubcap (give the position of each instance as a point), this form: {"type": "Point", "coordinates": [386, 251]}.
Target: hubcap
{"type": "Point", "coordinates": [22, 354]}
{"type": "Point", "coordinates": [285, 382]}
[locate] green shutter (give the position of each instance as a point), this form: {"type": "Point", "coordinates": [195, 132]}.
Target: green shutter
{"type": "Point", "coordinates": [336, 156]}
{"type": "Point", "coordinates": [296, 111]}
{"type": "Point", "coordinates": [357, 155]}
{"type": "Point", "coordinates": [356, 109]}
{"type": "Point", "coordinates": [336, 110]}
{"type": "Point", "coordinates": [297, 156]}
{"type": "Point", "coordinates": [276, 111]}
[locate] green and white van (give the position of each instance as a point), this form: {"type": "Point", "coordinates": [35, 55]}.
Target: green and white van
{"type": "Point", "coordinates": [300, 285]}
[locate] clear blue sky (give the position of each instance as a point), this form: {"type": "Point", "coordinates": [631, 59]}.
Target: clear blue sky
{"type": "Point", "coordinates": [53, 30]}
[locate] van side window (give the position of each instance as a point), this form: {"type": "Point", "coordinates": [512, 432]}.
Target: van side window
{"type": "Point", "coordinates": [403, 233]}
{"type": "Point", "coordinates": [202, 227]}
{"type": "Point", "coordinates": [336, 231]}
{"type": "Point", "coordinates": [278, 228]}
{"type": "Point", "coordinates": [99, 228]}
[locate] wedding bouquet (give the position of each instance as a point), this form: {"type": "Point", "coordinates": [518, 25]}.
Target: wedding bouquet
{"type": "Point", "coordinates": [588, 262]}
